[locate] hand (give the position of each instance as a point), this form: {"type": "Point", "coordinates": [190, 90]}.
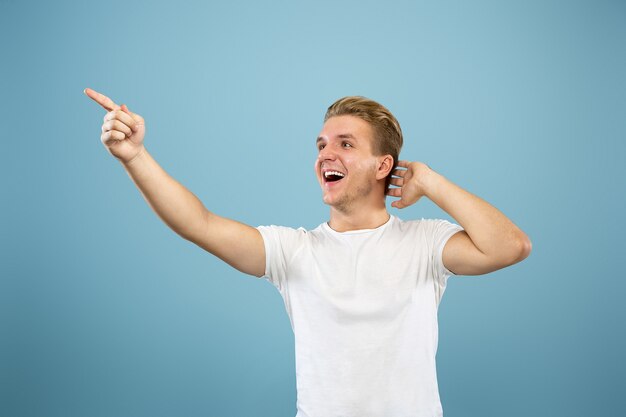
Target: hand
{"type": "Point", "coordinates": [122, 130]}
{"type": "Point", "coordinates": [410, 178]}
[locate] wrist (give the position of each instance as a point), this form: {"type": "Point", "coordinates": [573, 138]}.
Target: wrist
{"type": "Point", "coordinates": [430, 181]}
{"type": "Point", "coordinates": [140, 155]}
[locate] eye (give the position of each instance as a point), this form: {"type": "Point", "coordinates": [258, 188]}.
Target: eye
{"type": "Point", "coordinates": [346, 145]}
{"type": "Point", "coordinates": [320, 146]}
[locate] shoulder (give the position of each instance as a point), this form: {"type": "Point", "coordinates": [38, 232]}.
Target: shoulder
{"type": "Point", "coordinates": [281, 230]}
{"type": "Point", "coordinates": [286, 234]}
{"type": "Point", "coordinates": [415, 224]}
{"type": "Point", "coordinates": [427, 228]}
{"type": "Point", "coordinates": [424, 223]}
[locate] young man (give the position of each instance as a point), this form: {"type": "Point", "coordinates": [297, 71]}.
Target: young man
{"type": "Point", "coordinates": [361, 290]}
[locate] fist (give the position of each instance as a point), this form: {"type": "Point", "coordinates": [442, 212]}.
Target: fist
{"type": "Point", "coordinates": [122, 130]}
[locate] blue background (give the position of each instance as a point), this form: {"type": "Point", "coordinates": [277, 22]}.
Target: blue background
{"type": "Point", "coordinates": [106, 312]}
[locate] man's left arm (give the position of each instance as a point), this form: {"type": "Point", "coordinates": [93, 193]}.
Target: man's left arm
{"type": "Point", "coordinates": [490, 240]}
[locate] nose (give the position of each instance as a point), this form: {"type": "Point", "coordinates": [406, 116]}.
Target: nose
{"type": "Point", "coordinates": [327, 153]}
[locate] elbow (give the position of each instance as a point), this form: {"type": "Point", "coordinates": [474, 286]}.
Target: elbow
{"type": "Point", "coordinates": [523, 248]}
{"type": "Point", "coordinates": [514, 250]}
{"type": "Point", "coordinates": [518, 249]}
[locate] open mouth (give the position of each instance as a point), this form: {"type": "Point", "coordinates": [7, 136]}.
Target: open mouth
{"type": "Point", "coordinates": [333, 176]}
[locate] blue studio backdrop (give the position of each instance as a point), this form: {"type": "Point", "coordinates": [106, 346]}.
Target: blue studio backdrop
{"type": "Point", "coordinates": [104, 311]}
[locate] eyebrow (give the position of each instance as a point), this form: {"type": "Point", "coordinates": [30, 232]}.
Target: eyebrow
{"type": "Point", "coordinates": [341, 136]}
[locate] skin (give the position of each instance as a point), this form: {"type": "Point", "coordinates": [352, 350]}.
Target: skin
{"type": "Point", "coordinates": [237, 244]}
{"type": "Point", "coordinates": [358, 200]}
{"type": "Point", "coordinates": [489, 242]}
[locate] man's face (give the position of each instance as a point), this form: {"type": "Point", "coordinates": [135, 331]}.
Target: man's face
{"type": "Point", "coordinates": [345, 166]}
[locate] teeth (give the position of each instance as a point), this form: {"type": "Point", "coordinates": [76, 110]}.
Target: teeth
{"type": "Point", "coordinates": [329, 173]}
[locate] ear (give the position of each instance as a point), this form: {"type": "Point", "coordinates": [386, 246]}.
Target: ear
{"type": "Point", "coordinates": [385, 165]}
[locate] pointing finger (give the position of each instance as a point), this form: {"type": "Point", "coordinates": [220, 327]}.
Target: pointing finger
{"type": "Point", "coordinates": [101, 99]}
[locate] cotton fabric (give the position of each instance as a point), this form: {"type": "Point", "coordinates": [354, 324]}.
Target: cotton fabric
{"type": "Point", "coordinates": [363, 308]}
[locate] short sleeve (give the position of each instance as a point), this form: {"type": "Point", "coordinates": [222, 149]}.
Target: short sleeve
{"type": "Point", "coordinates": [441, 231]}
{"type": "Point", "coordinates": [280, 245]}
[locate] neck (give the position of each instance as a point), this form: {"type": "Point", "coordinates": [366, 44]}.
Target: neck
{"type": "Point", "coordinates": [358, 219]}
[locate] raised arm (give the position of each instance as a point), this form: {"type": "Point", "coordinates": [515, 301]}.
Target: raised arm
{"type": "Point", "coordinates": [239, 245]}
{"type": "Point", "coordinates": [490, 240]}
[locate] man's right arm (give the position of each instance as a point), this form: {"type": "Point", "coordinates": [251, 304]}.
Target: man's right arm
{"type": "Point", "coordinates": [237, 244]}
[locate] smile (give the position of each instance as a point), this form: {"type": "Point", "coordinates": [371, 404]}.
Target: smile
{"type": "Point", "coordinates": [333, 176]}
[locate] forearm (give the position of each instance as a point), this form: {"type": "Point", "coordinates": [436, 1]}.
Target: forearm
{"type": "Point", "coordinates": [488, 228]}
{"type": "Point", "coordinates": [180, 209]}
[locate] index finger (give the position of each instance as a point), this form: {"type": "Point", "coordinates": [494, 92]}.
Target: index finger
{"type": "Point", "coordinates": [101, 99]}
{"type": "Point", "coordinates": [403, 164]}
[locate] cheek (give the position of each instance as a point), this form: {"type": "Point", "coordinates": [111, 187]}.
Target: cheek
{"type": "Point", "coordinates": [366, 167]}
{"type": "Point", "coordinates": [316, 167]}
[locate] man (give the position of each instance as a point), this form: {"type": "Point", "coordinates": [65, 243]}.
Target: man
{"type": "Point", "coordinates": [361, 290]}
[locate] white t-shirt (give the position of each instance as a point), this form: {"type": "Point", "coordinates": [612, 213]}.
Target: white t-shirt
{"type": "Point", "coordinates": [363, 309]}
